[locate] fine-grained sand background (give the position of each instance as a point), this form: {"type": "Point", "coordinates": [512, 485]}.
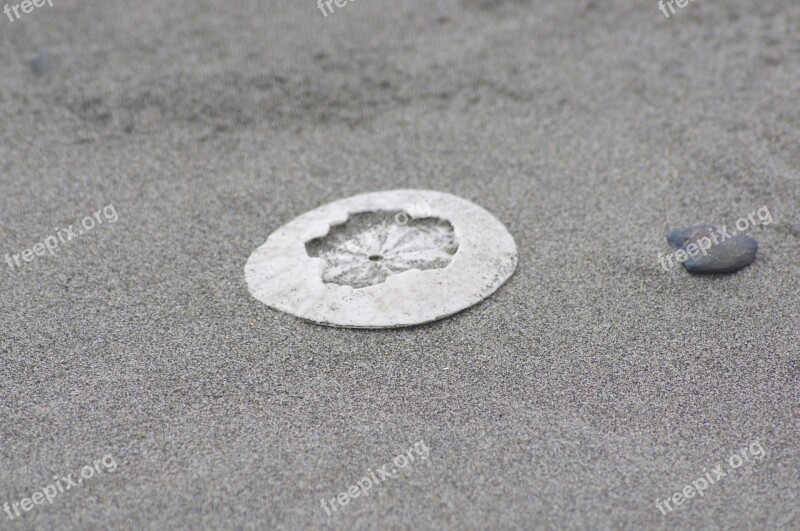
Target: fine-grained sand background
{"type": "Point", "coordinates": [589, 386]}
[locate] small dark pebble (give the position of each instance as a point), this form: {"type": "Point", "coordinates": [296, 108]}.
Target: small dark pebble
{"type": "Point", "coordinates": [728, 252]}
{"type": "Point", "coordinates": [41, 64]}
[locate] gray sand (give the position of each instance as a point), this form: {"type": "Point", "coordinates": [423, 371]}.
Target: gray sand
{"type": "Point", "coordinates": [591, 385]}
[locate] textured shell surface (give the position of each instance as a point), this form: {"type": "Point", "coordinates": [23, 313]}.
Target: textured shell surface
{"type": "Point", "coordinates": [383, 259]}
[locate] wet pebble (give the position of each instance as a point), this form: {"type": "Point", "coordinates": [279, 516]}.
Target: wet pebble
{"type": "Point", "coordinates": [726, 251]}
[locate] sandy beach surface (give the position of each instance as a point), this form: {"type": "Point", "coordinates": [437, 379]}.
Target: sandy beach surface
{"type": "Point", "coordinates": [589, 388]}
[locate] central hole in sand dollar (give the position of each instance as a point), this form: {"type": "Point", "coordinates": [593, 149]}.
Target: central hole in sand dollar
{"type": "Point", "coordinates": [371, 246]}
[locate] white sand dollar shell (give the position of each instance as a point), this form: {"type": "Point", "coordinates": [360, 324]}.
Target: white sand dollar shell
{"type": "Point", "coordinates": [383, 260]}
